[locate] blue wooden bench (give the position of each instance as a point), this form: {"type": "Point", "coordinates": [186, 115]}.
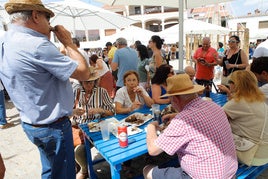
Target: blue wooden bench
{"type": "Point", "coordinates": [246, 172]}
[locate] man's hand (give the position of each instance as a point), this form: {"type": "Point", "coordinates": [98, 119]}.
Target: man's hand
{"type": "Point", "coordinates": [63, 35]}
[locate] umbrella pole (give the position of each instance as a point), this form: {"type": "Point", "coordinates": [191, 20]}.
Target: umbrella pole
{"type": "Point", "coordinates": [181, 58]}
{"type": "Point", "coordinates": [74, 27]}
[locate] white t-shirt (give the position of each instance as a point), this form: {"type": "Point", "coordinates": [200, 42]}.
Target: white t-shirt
{"type": "Point", "coordinates": [123, 97]}
{"type": "Point", "coordinates": [261, 50]}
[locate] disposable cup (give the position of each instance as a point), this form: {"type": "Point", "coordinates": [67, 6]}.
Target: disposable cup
{"type": "Point", "coordinates": [155, 107]}
{"type": "Point", "coordinates": [105, 133]}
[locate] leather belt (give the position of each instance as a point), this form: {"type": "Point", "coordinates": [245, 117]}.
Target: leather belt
{"type": "Point", "coordinates": [46, 125]}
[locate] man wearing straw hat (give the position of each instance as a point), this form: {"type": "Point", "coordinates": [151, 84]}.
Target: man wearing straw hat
{"type": "Point", "coordinates": [36, 76]}
{"type": "Point", "coordinates": [199, 134]}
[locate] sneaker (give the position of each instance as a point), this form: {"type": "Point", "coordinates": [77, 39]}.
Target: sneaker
{"type": "Point", "coordinates": [7, 125]}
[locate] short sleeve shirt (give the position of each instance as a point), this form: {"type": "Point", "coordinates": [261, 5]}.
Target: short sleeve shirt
{"type": "Point", "coordinates": [123, 97]}
{"type": "Point", "coordinates": [205, 72]}
{"type": "Point", "coordinates": [261, 50]}
{"type": "Point", "coordinates": [201, 136]}
{"type": "Point", "coordinates": [36, 75]}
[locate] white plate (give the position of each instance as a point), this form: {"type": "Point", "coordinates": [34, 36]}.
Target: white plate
{"type": "Point", "coordinates": [93, 126]}
{"type": "Point", "coordinates": [131, 130]}
{"type": "Point", "coordinates": [141, 116]}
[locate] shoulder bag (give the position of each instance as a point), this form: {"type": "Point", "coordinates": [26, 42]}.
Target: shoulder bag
{"type": "Point", "coordinates": [246, 149]}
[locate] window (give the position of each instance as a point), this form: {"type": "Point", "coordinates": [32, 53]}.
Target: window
{"type": "Point", "coordinates": [137, 10]}
{"type": "Point", "coordinates": [263, 24]}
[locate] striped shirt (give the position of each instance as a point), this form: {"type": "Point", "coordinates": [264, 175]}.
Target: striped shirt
{"type": "Point", "coordinates": [98, 99]}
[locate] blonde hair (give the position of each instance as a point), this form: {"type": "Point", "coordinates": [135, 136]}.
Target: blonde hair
{"type": "Point", "coordinates": [246, 86]}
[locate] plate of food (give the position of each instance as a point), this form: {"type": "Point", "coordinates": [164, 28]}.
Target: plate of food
{"type": "Point", "coordinates": [93, 126]}
{"type": "Point", "coordinates": [137, 119]}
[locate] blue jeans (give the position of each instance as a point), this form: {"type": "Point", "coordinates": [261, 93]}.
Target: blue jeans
{"type": "Point", "coordinates": [55, 144]}
{"type": "Point", "coordinates": [3, 120]}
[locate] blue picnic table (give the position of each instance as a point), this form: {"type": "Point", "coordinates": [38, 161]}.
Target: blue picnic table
{"type": "Point", "coordinates": [113, 153]}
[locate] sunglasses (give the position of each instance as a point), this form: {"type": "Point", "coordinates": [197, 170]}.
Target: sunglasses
{"type": "Point", "coordinates": [47, 15]}
{"type": "Point", "coordinates": [232, 41]}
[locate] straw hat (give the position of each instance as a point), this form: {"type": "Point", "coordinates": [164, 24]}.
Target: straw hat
{"type": "Point", "coordinates": [180, 85]}
{"type": "Point", "coordinates": [93, 74]}
{"type": "Point", "coordinates": [26, 5]}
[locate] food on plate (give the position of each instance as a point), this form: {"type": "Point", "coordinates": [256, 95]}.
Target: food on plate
{"type": "Point", "coordinates": [168, 110]}
{"type": "Point", "coordinates": [135, 118]}
{"type": "Point", "coordinates": [93, 126]}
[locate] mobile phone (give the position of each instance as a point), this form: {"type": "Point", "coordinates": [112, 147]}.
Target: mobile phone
{"type": "Point", "coordinates": [201, 60]}
{"type": "Point", "coordinates": [226, 62]}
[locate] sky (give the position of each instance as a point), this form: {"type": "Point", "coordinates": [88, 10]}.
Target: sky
{"type": "Point", "coordinates": [236, 7]}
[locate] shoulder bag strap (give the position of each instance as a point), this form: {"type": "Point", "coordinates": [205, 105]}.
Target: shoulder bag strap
{"type": "Point", "coordinates": [265, 120]}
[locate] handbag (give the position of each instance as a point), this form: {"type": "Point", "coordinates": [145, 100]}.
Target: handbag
{"type": "Point", "coordinates": [246, 149]}
{"type": "Point", "coordinates": [78, 137]}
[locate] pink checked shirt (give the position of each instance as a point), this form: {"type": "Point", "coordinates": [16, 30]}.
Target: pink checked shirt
{"type": "Point", "coordinates": [201, 136]}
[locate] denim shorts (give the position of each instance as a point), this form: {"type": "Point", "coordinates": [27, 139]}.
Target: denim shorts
{"type": "Point", "coordinates": [169, 173]}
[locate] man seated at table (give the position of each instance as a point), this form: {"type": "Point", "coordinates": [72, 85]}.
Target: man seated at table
{"type": "Point", "coordinates": [200, 136]}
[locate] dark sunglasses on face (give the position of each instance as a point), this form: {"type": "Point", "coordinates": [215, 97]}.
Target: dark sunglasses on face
{"type": "Point", "coordinates": [231, 41]}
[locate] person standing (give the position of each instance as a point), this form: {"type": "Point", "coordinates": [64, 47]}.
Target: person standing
{"type": "Point", "coordinates": [125, 59]}
{"type": "Point", "coordinates": [158, 57]}
{"type": "Point", "coordinates": [3, 121]}
{"type": "Point", "coordinates": [261, 50]}
{"type": "Point", "coordinates": [111, 51]}
{"type": "Point", "coordinates": [199, 136]}
{"type": "Point", "coordinates": [36, 76]}
{"type": "Point", "coordinates": [234, 59]}
{"type": "Point", "coordinates": [205, 59]}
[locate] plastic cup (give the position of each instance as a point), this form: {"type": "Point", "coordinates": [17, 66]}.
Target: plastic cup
{"type": "Point", "coordinates": [155, 107]}
{"type": "Point", "coordinates": [105, 133]}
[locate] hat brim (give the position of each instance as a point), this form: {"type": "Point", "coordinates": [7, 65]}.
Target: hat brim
{"type": "Point", "coordinates": [195, 89]}
{"type": "Point", "coordinates": [93, 78]}
{"type": "Point", "coordinates": [17, 7]}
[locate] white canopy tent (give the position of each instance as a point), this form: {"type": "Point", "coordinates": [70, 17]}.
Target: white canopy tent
{"type": "Point", "coordinates": [191, 26]}
{"type": "Point", "coordinates": [78, 15]}
{"type": "Point", "coordinates": [131, 34]}
{"type": "Point", "coordinates": [181, 4]}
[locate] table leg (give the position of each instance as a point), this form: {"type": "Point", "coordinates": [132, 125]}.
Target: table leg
{"type": "Point", "coordinates": [89, 159]}
{"type": "Point", "coordinates": [115, 171]}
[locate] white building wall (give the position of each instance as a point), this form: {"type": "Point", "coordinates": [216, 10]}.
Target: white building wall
{"type": "Point", "coordinates": [252, 23]}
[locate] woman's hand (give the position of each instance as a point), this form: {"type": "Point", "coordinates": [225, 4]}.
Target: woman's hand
{"type": "Point", "coordinates": [78, 112]}
{"type": "Point", "coordinates": [135, 105]}
{"type": "Point", "coordinates": [93, 111]}
{"type": "Point", "coordinates": [223, 88]}
{"type": "Point", "coordinates": [138, 90]}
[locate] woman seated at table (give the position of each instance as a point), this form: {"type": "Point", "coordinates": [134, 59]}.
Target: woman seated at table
{"type": "Point", "coordinates": [91, 102]}
{"type": "Point", "coordinates": [159, 85]}
{"type": "Point", "coordinates": [131, 96]}
{"type": "Point", "coordinates": [247, 113]}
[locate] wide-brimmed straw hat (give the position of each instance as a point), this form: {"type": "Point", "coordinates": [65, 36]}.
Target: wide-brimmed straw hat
{"type": "Point", "coordinates": [94, 75]}
{"type": "Point", "coordinates": [181, 85]}
{"type": "Point", "coordinates": [26, 5]}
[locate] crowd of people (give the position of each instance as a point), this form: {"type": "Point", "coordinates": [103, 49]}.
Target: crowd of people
{"type": "Point", "coordinates": [65, 87]}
